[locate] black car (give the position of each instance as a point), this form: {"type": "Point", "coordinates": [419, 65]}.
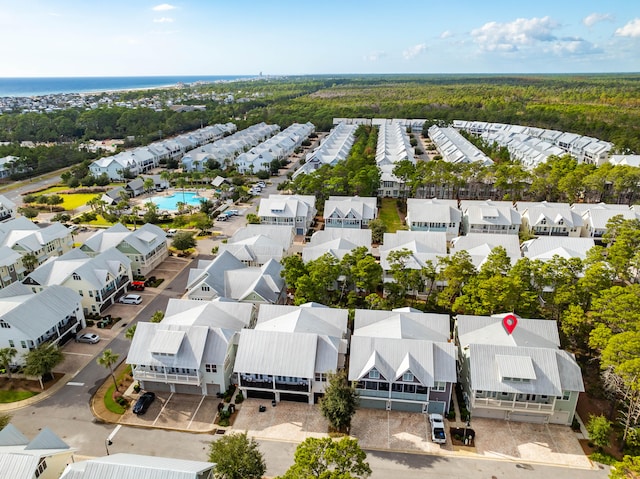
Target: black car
{"type": "Point", "coordinates": [143, 403]}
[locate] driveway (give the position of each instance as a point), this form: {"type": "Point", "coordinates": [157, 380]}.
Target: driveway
{"type": "Point", "coordinates": [410, 432]}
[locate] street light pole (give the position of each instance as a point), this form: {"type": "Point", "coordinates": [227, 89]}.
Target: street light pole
{"type": "Point", "coordinates": [108, 441]}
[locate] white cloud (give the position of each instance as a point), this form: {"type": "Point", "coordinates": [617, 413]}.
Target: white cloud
{"type": "Point", "coordinates": [631, 29]}
{"type": "Point", "coordinates": [163, 20]}
{"type": "Point", "coordinates": [508, 37]}
{"type": "Point", "coordinates": [163, 7]}
{"type": "Point", "coordinates": [591, 20]}
{"type": "Point", "coordinates": [414, 51]}
{"type": "Point", "coordinates": [375, 56]}
{"type": "Point", "coordinates": [574, 47]}
{"type": "Point", "coordinates": [446, 34]}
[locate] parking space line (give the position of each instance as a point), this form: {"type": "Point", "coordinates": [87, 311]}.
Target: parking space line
{"type": "Point", "coordinates": [162, 409]}
{"type": "Point", "coordinates": [196, 412]}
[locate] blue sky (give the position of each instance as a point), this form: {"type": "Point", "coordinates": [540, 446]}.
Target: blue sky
{"type": "Point", "coordinates": [227, 37]}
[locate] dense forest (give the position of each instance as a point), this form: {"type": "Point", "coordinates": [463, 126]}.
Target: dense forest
{"type": "Point", "coordinates": [603, 106]}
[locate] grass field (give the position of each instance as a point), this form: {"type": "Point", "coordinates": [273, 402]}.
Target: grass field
{"type": "Point", "coordinates": [13, 396]}
{"type": "Point", "coordinates": [71, 202]}
{"type": "Point", "coordinates": [389, 215]}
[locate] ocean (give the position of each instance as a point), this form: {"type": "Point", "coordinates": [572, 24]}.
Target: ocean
{"type": "Point", "coordinates": [54, 85]}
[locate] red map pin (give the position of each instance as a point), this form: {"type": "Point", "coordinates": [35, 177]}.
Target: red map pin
{"type": "Point", "coordinates": [510, 322]}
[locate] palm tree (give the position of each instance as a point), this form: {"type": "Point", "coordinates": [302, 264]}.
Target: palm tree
{"type": "Point", "coordinates": [130, 332]}
{"type": "Point", "coordinates": [29, 261]}
{"type": "Point", "coordinates": [41, 360]}
{"type": "Point", "coordinates": [181, 183]}
{"type": "Point", "coordinates": [107, 360]}
{"type": "Point", "coordinates": [148, 184]}
{"type": "Point", "coordinates": [6, 356]}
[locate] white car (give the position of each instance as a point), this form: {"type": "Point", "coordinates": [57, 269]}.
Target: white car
{"type": "Point", "coordinates": [438, 434]}
{"type": "Point", "coordinates": [88, 338]}
{"type": "Point", "coordinates": [131, 299]}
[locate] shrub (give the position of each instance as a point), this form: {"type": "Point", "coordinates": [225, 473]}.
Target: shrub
{"type": "Point", "coordinates": [223, 422]}
{"type": "Point", "coordinates": [239, 397]}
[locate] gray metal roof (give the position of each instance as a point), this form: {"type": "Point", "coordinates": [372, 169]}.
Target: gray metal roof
{"type": "Point", "coordinates": [428, 361]}
{"type": "Point", "coordinates": [11, 436]}
{"type": "Point", "coordinates": [546, 247]}
{"type": "Point", "coordinates": [277, 353]}
{"type": "Point", "coordinates": [405, 325]}
{"type": "Point", "coordinates": [36, 313]}
{"type": "Point", "coordinates": [133, 466]}
{"type": "Point", "coordinates": [311, 319]}
{"type": "Point", "coordinates": [144, 239]}
{"type": "Point", "coordinates": [540, 333]}
{"type": "Point", "coordinates": [480, 245]}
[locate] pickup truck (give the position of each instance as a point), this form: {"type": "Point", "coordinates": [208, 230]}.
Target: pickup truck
{"type": "Point", "coordinates": [437, 429]}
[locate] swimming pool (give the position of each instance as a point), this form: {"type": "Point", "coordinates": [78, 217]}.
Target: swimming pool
{"type": "Point", "coordinates": [170, 202]}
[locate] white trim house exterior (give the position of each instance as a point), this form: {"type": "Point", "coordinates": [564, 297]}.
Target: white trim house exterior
{"type": "Point", "coordinates": [99, 280]}
{"type": "Point", "coordinates": [29, 319]}
{"type": "Point", "coordinates": [545, 248]}
{"type": "Point", "coordinates": [550, 219]}
{"type": "Point", "coordinates": [596, 216]}
{"type": "Point", "coordinates": [7, 208]}
{"type": "Point", "coordinates": [228, 277]}
{"type": "Point", "coordinates": [291, 350]}
{"type": "Point", "coordinates": [146, 246]}
{"type": "Point", "coordinates": [403, 360]}
{"type": "Point", "coordinates": [298, 211]}
{"type": "Point", "coordinates": [336, 242]}
{"type": "Point", "coordinates": [490, 217]}
{"type": "Point", "coordinates": [349, 211]}
{"type": "Point", "coordinates": [192, 350]}
{"type": "Point", "coordinates": [518, 376]}
{"type": "Point", "coordinates": [480, 245]}
{"type": "Point", "coordinates": [434, 215]}
{"type": "Point", "coordinates": [43, 457]}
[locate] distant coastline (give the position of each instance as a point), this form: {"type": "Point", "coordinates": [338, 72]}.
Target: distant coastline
{"type": "Point", "coordinates": [27, 87]}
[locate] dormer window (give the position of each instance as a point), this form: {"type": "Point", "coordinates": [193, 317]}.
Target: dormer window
{"type": "Point", "coordinates": [374, 374]}
{"type": "Point", "coordinates": [408, 377]}
{"type": "Point", "coordinates": [76, 277]}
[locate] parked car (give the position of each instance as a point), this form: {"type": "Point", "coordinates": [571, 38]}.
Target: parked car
{"type": "Point", "coordinates": [231, 212]}
{"type": "Point", "coordinates": [143, 403]}
{"type": "Point", "coordinates": [172, 232]}
{"type": "Point", "coordinates": [88, 338]}
{"type": "Point", "coordinates": [438, 434]}
{"type": "Point", "coordinates": [131, 299]}
{"type": "Point", "coordinates": [261, 184]}
{"type": "Point", "coordinates": [222, 218]}
{"type": "Point", "coordinates": [137, 285]}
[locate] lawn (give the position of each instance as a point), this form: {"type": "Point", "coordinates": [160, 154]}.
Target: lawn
{"type": "Point", "coordinates": [74, 201]}
{"type": "Point", "coordinates": [13, 396]}
{"type": "Point", "coordinates": [389, 215]}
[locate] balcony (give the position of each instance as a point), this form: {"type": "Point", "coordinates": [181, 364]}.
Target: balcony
{"type": "Point", "coordinates": [256, 383]}
{"type": "Point", "coordinates": [409, 396]}
{"type": "Point", "coordinates": [511, 404]}
{"type": "Point", "coordinates": [303, 387]}
{"type": "Point", "coordinates": [142, 375]}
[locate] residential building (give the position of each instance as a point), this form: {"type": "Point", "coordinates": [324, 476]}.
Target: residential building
{"type": "Point", "coordinates": [228, 277]}
{"type": "Point", "coordinates": [545, 248]}
{"type": "Point", "coordinates": [349, 211]}
{"type": "Point", "coordinates": [434, 215]}
{"type": "Point", "coordinates": [192, 350]}
{"type": "Point", "coordinates": [393, 147]}
{"type": "Point", "coordinates": [403, 360]}
{"type": "Point", "coordinates": [297, 211]}
{"type": "Point", "coordinates": [480, 245]}
{"type": "Point", "coordinates": [256, 244]}
{"type": "Point", "coordinates": [550, 219]}
{"type": "Point", "coordinates": [455, 148]}
{"type": "Point", "coordinates": [29, 319]}
{"type": "Point", "coordinates": [596, 216]}
{"type": "Point", "coordinates": [291, 351]}
{"type": "Point", "coordinates": [494, 217]}
{"type": "Point", "coordinates": [99, 280]}
{"type": "Point", "coordinates": [516, 371]}
{"type": "Point", "coordinates": [336, 242]}
{"type": "Point", "coordinates": [423, 246]}
{"type": "Point", "coordinates": [334, 148]}
{"type": "Point", "coordinates": [43, 457]}
{"type": "Point", "coordinates": [8, 166]}
{"type": "Point", "coordinates": [126, 466]}
{"type": "Point", "coordinates": [146, 246]}
{"type": "Point", "coordinates": [7, 209]}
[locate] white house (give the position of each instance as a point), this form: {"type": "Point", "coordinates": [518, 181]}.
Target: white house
{"type": "Point", "coordinates": [7, 209]}
{"type": "Point", "coordinates": [291, 351]}
{"type": "Point", "coordinates": [337, 242]}
{"type": "Point", "coordinates": [434, 215]}
{"type": "Point", "coordinates": [146, 246]}
{"type": "Point", "coordinates": [297, 211]}
{"type": "Point", "coordinates": [29, 319]}
{"type": "Point", "coordinates": [228, 277]}
{"type": "Point", "coordinates": [98, 280]}
{"type": "Point", "coordinates": [596, 216]}
{"type": "Point", "coordinates": [424, 246]}
{"type": "Point", "coordinates": [403, 360]}
{"type": "Point", "coordinates": [550, 219]}
{"type": "Point", "coordinates": [43, 457]}
{"type": "Point", "coordinates": [544, 248]}
{"type": "Point", "coordinates": [125, 466]}
{"type": "Point", "coordinates": [393, 146]}
{"type": "Point", "coordinates": [516, 373]}
{"type": "Point", "coordinates": [192, 350]}
{"type": "Point", "coordinates": [495, 217]}
{"type": "Point", "coordinates": [349, 211]}
{"type": "Point", "coordinates": [480, 245]}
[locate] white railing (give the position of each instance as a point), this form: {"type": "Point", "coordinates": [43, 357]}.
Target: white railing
{"type": "Point", "coordinates": [167, 378]}
{"type": "Point", "coordinates": [511, 404]}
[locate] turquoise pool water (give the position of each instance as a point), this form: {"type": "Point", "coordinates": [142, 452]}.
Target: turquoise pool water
{"type": "Point", "coordinates": [169, 202]}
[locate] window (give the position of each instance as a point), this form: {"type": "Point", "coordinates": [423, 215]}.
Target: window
{"type": "Point", "coordinates": [407, 377]}
{"type": "Point", "coordinates": [566, 395]}
{"type": "Point", "coordinates": [12, 344]}
{"type": "Point", "coordinates": [321, 377]}
{"type": "Point", "coordinates": [76, 276]}
{"type": "Point", "coordinates": [4, 324]}
{"type": "Point", "coordinates": [23, 344]}
{"type": "Point", "coordinates": [42, 465]}
{"type": "Point", "coordinates": [205, 288]}
{"type": "Point", "coordinates": [439, 386]}
{"type": "Point", "coordinates": [211, 368]}
{"type": "Point", "coordinates": [374, 374]}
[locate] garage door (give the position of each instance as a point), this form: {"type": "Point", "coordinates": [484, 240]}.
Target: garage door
{"type": "Point", "coordinates": [188, 389]}
{"type": "Point", "coordinates": [534, 418]}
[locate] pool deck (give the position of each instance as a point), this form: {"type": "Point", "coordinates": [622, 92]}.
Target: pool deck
{"type": "Point", "coordinates": [190, 194]}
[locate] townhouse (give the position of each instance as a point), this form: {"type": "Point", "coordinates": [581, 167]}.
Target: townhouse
{"type": "Point", "coordinates": [336, 242]}
{"type": "Point", "coordinates": [393, 147]}
{"type": "Point", "coordinates": [349, 211]}
{"type": "Point", "coordinates": [480, 245]}
{"type": "Point", "coordinates": [491, 217]}
{"type": "Point", "coordinates": [550, 219]}
{"type": "Point", "coordinates": [596, 216]}
{"type": "Point", "coordinates": [434, 215]}
{"type": "Point", "coordinates": [545, 248]}
{"type": "Point", "coordinates": [455, 148]}
{"type": "Point", "coordinates": [298, 211]}
{"type": "Point", "coordinates": [7, 209]}
{"type": "Point", "coordinates": [423, 247]}
{"type": "Point", "coordinates": [256, 244]}
{"type": "Point", "coordinates": [334, 148]}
